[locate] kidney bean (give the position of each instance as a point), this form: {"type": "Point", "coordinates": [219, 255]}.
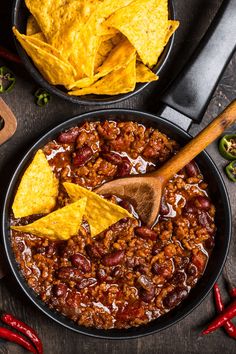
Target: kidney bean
{"type": "Point", "coordinates": [124, 168]}
{"type": "Point", "coordinates": [178, 278]}
{"type": "Point", "coordinates": [144, 282]}
{"type": "Point", "coordinates": [93, 251]}
{"type": "Point", "coordinates": [101, 274]}
{"type": "Point", "coordinates": [69, 273]}
{"type": "Point", "coordinates": [191, 270]}
{"type": "Point", "coordinates": [80, 261]}
{"type": "Point", "coordinates": [146, 233]}
{"type": "Point", "coordinates": [126, 205]}
{"type": "Point", "coordinates": [157, 248]}
{"type": "Point", "coordinates": [164, 209]}
{"type": "Point", "coordinates": [51, 249]}
{"type": "Point", "coordinates": [202, 203]}
{"type": "Point", "coordinates": [147, 295]}
{"type": "Point", "coordinates": [190, 208]}
{"type": "Point", "coordinates": [113, 259]}
{"type": "Point", "coordinates": [141, 269]}
{"type": "Point", "coordinates": [156, 268]}
{"type": "Point", "coordinates": [82, 155]}
{"type": "Point", "coordinates": [113, 158]}
{"type": "Point", "coordinates": [161, 270]}
{"type": "Point", "coordinates": [86, 282]}
{"type": "Point", "coordinates": [192, 169]}
{"type": "Point", "coordinates": [204, 219]}
{"type": "Point", "coordinates": [174, 297]}
{"type": "Point", "coordinates": [59, 290]}
{"type": "Point", "coordinates": [130, 312]}
{"type": "Point", "coordinates": [199, 260]}
{"type": "Point", "coordinates": [117, 272]}
{"type": "Point", "coordinates": [68, 137]}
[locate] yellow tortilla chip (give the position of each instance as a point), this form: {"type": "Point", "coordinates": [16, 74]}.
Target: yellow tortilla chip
{"type": "Point", "coordinates": [32, 26]}
{"type": "Point", "coordinates": [58, 225]}
{"type": "Point", "coordinates": [87, 39]}
{"type": "Point", "coordinates": [120, 81]}
{"type": "Point", "coordinates": [40, 36]}
{"type": "Point", "coordinates": [38, 189]}
{"type": "Point", "coordinates": [99, 212]}
{"type": "Point", "coordinates": [118, 58]}
{"type": "Point", "coordinates": [47, 59]}
{"type": "Point", "coordinates": [144, 74]}
{"type": "Point", "coordinates": [172, 27]}
{"type": "Point", "coordinates": [145, 24]}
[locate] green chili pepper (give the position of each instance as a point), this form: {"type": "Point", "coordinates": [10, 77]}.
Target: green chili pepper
{"type": "Point", "coordinates": [7, 80]}
{"type": "Point", "coordinates": [42, 97]}
{"type": "Point", "coordinates": [231, 171]}
{"type": "Point", "coordinates": [227, 146]}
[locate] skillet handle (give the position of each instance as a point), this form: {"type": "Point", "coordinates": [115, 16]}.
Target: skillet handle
{"type": "Point", "coordinates": [194, 86]}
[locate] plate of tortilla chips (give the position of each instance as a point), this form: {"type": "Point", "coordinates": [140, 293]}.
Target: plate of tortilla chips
{"type": "Point", "coordinates": [91, 51]}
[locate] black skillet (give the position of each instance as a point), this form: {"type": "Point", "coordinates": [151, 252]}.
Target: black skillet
{"type": "Point", "coordinates": [20, 15]}
{"type": "Point", "coordinates": [197, 89]}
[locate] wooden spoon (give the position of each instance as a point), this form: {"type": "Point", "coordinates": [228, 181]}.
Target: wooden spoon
{"type": "Point", "coordinates": [10, 122]}
{"type": "Point", "coordinates": [145, 191]}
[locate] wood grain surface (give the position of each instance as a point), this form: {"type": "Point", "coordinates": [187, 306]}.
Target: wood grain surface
{"type": "Point", "coordinates": [195, 17]}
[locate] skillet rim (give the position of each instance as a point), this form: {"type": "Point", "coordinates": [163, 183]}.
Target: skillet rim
{"type": "Point", "coordinates": [98, 333]}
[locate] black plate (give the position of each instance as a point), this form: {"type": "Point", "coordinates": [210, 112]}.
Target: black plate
{"type": "Point", "coordinates": [218, 194]}
{"type": "Point", "coordinates": [20, 15]}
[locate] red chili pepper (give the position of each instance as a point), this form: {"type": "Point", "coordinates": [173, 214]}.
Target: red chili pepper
{"type": "Point", "coordinates": [6, 54]}
{"type": "Point", "coordinates": [228, 326]}
{"type": "Point", "coordinates": [228, 313]}
{"type": "Point", "coordinates": [23, 328]}
{"type": "Point", "coordinates": [17, 338]}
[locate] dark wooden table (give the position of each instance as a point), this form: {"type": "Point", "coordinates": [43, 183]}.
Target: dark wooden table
{"type": "Point", "coordinates": [195, 17]}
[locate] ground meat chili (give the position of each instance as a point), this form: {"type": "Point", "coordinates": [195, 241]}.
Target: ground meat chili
{"type": "Point", "coordinates": [129, 274]}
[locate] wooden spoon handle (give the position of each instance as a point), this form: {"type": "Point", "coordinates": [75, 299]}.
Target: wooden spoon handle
{"type": "Point", "coordinates": [10, 122]}
{"type": "Point", "coordinates": [197, 144]}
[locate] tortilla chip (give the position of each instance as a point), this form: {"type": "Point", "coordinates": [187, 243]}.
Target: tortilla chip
{"type": "Point", "coordinates": [172, 27]}
{"type": "Point", "coordinates": [118, 58]}
{"type": "Point", "coordinates": [40, 36]}
{"type": "Point", "coordinates": [145, 24]}
{"type": "Point", "coordinates": [58, 225]}
{"type": "Point", "coordinates": [87, 39]}
{"type": "Point", "coordinates": [38, 189]}
{"type": "Point", "coordinates": [144, 74]}
{"type": "Point", "coordinates": [120, 81]}
{"type": "Point", "coordinates": [47, 59]}
{"type": "Point", "coordinates": [32, 26]}
{"type": "Point", "coordinates": [99, 212]}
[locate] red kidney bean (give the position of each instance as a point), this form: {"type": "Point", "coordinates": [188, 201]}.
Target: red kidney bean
{"type": "Point", "coordinates": [80, 261]}
{"type": "Point", "coordinates": [117, 272]}
{"type": "Point", "coordinates": [113, 259]}
{"type": "Point", "coordinates": [156, 268]}
{"type": "Point", "coordinates": [192, 169]}
{"type": "Point", "coordinates": [202, 203]}
{"type": "Point", "coordinates": [190, 207]}
{"type": "Point", "coordinates": [68, 137]}
{"type": "Point", "coordinates": [191, 270]}
{"type": "Point", "coordinates": [124, 168]}
{"type": "Point", "coordinates": [84, 283]}
{"type": "Point", "coordinates": [113, 158]}
{"type": "Point", "coordinates": [51, 249]}
{"type": "Point", "coordinates": [204, 219]}
{"type": "Point", "coordinates": [164, 209]}
{"type": "Point", "coordinates": [146, 233]}
{"type": "Point", "coordinates": [69, 273]}
{"type": "Point", "coordinates": [141, 269]}
{"type": "Point", "coordinates": [59, 290]}
{"type": "Point", "coordinates": [82, 155]}
{"type": "Point", "coordinates": [157, 248]}
{"type": "Point", "coordinates": [93, 251]}
{"type": "Point", "coordinates": [101, 274]}
{"type": "Point", "coordinates": [130, 312]}
{"type": "Point", "coordinates": [174, 297]}
{"type": "Point", "coordinates": [178, 278]}
{"type": "Point", "coordinates": [147, 295]}
{"type": "Point", "coordinates": [144, 282]}
{"type": "Point", "coordinates": [126, 205]}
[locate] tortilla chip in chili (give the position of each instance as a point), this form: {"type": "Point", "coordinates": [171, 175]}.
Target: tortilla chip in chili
{"type": "Point", "coordinates": [38, 189]}
{"type": "Point", "coordinates": [58, 225]}
{"type": "Point", "coordinates": [99, 212]}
